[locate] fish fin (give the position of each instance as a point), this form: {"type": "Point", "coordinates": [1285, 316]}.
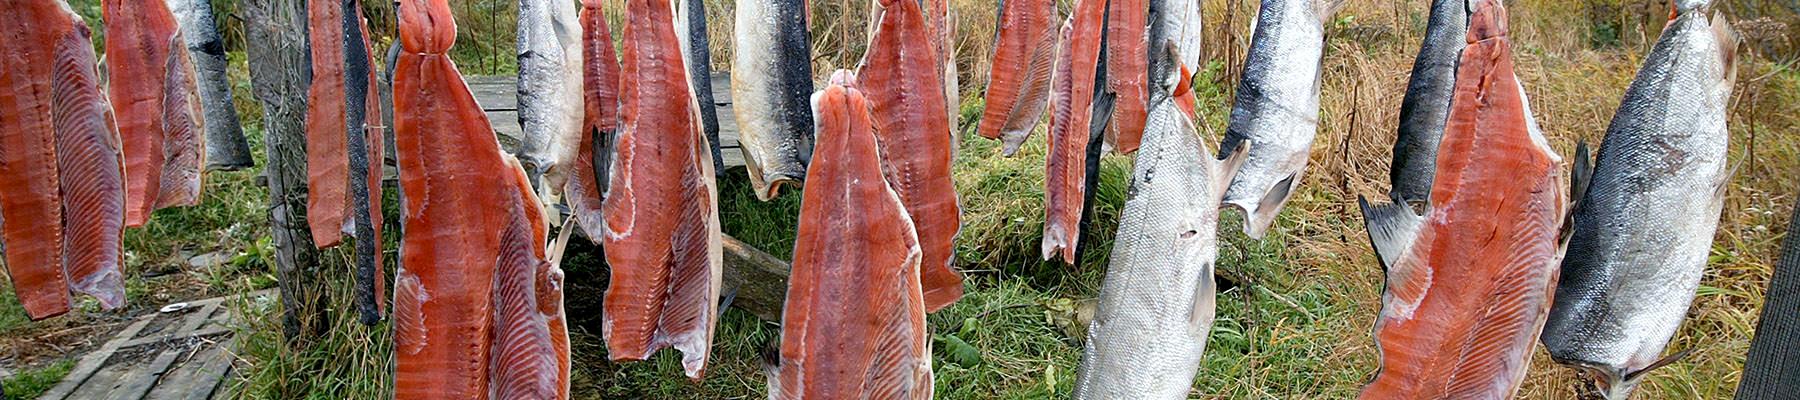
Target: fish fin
{"type": "Point", "coordinates": [1258, 222]}
{"type": "Point", "coordinates": [1226, 169]}
{"type": "Point", "coordinates": [1728, 44]}
{"type": "Point", "coordinates": [1326, 9]}
{"type": "Point", "coordinates": [770, 360]}
{"type": "Point", "coordinates": [1205, 304]}
{"type": "Point", "coordinates": [1579, 180]}
{"type": "Point", "coordinates": [1633, 376]}
{"type": "Point", "coordinates": [1392, 228]}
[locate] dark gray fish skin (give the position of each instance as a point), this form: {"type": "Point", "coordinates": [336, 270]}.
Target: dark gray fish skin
{"type": "Point", "coordinates": [1427, 102]}
{"type": "Point", "coordinates": [1644, 227]}
{"type": "Point", "coordinates": [356, 94]}
{"type": "Point", "coordinates": [771, 90]}
{"type": "Point", "coordinates": [225, 145]}
{"type": "Point", "coordinates": [1775, 352]}
{"type": "Point", "coordinates": [1276, 111]}
{"type": "Point", "coordinates": [697, 46]}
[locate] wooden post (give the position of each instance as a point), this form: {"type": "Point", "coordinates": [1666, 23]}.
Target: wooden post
{"type": "Point", "coordinates": [280, 71]}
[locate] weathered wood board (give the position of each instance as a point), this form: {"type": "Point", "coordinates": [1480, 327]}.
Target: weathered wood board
{"type": "Point", "coordinates": [181, 354]}
{"type": "Point", "coordinates": [498, 96]}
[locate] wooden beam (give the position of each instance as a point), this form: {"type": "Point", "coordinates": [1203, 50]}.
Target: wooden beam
{"type": "Point", "coordinates": [758, 280]}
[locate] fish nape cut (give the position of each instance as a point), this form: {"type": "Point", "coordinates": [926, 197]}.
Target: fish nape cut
{"type": "Point", "coordinates": [905, 92]}
{"type": "Point", "coordinates": [158, 107]}
{"type": "Point", "coordinates": [1469, 283]}
{"type": "Point", "coordinates": [588, 173]}
{"type": "Point", "coordinates": [1072, 97]}
{"type": "Point", "coordinates": [662, 235]}
{"type": "Point", "coordinates": [1643, 228]}
{"type": "Point", "coordinates": [770, 81]}
{"type": "Point", "coordinates": [853, 325]}
{"type": "Point", "coordinates": [1156, 303]}
{"type": "Point", "coordinates": [477, 307]}
{"type": "Point", "coordinates": [1018, 88]}
{"type": "Point", "coordinates": [1277, 107]}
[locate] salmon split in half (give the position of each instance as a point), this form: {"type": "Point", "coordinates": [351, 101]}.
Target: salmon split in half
{"type": "Point", "coordinates": [61, 177]}
{"type": "Point", "coordinates": [854, 322]}
{"type": "Point", "coordinates": [1072, 94]}
{"type": "Point", "coordinates": [477, 309]}
{"type": "Point", "coordinates": [1019, 83]}
{"type": "Point", "coordinates": [662, 218]}
{"type": "Point", "coordinates": [587, 175]}
{"type": "Point", "coordinates": [906, 93]}
{"type": "Point", "coordinates": [1469, 283]}
{"type": "Point", "coordinates": [157, 105]}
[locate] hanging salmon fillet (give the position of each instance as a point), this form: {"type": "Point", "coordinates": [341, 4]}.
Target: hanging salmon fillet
{"type": "Point", "coordinates": [1469, 283]}
{"type": "Point", "coordinates": [28, 163]}
{"type": "Point", "coordinates": [157, 105]}
{"type": "Point", "coordinates": [1127, 72]}
{"type": "Point", "coordinates": [1072, 90]}
{"type": "Point", "coordinates": [90, 169]}
{"type": "Point", "coordinates": [916, 146]}
{"type": "Point", "coordinates": [363, 143]}
{"type": "Point", "coordinates": [600, 88]}
{"type": "Point", "coordinates": [327, 167]}
{"type": "Point", "coordinates": [477, 309]}
{"type": "Point", "coordinates": [662, 219]}
{"type": "Point", "coordinates": [1019, 81]}
{"type": "Point", "coordinates": [854, 322]}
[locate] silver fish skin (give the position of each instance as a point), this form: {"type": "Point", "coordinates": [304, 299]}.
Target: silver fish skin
{"type": "Point", "coordinates": [1277, 107]}
{"type": "Point", "coordinates": [1176, 21]}
{"type": "Point", "coordinates": [1156, 303]}
{"type": "Point", "coordinates": [1427, 102]}
{"type": "Point", "coordinates": [225, 145]}
{"type": "Point", "coordinates": [550, 95]}
{"type": "Point", "coordinates": [696, 50]}
{"type": "Point", "coordinates": [771, 90]}
{"type": "Point", "coordinates": [1644, 226]}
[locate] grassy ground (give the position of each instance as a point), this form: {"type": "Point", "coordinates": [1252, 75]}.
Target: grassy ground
{"type": "Point", "coordinates": [1294, 314]}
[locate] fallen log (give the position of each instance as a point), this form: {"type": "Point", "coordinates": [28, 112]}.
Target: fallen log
{"type": "Point", "coordinates": [757, 279]}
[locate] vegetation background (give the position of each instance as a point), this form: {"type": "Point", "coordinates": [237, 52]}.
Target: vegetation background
{"type": "Point", "coordinates": [1296, 309]}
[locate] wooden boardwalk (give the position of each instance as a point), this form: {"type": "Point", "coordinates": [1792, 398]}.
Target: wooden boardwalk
{"type": "Point", "coordinates": [498, 96]}
{"type": "Point", "coordinates": [183, 352]}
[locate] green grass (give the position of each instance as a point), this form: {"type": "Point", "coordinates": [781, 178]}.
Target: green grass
{"type": "Point", "coordinates": [30, 383]}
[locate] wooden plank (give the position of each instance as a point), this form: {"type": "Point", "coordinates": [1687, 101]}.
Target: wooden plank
{"type": "Point", "coordinates": [500, 92]}
{"type": "Point", "coordinates": [199, 377]}
{"type": "Point", "coordinates": [495, 92]}
{"type": "Point", "coordinates": [93, 361]}
{"type": "Point", "coordinates": [136, 383]}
